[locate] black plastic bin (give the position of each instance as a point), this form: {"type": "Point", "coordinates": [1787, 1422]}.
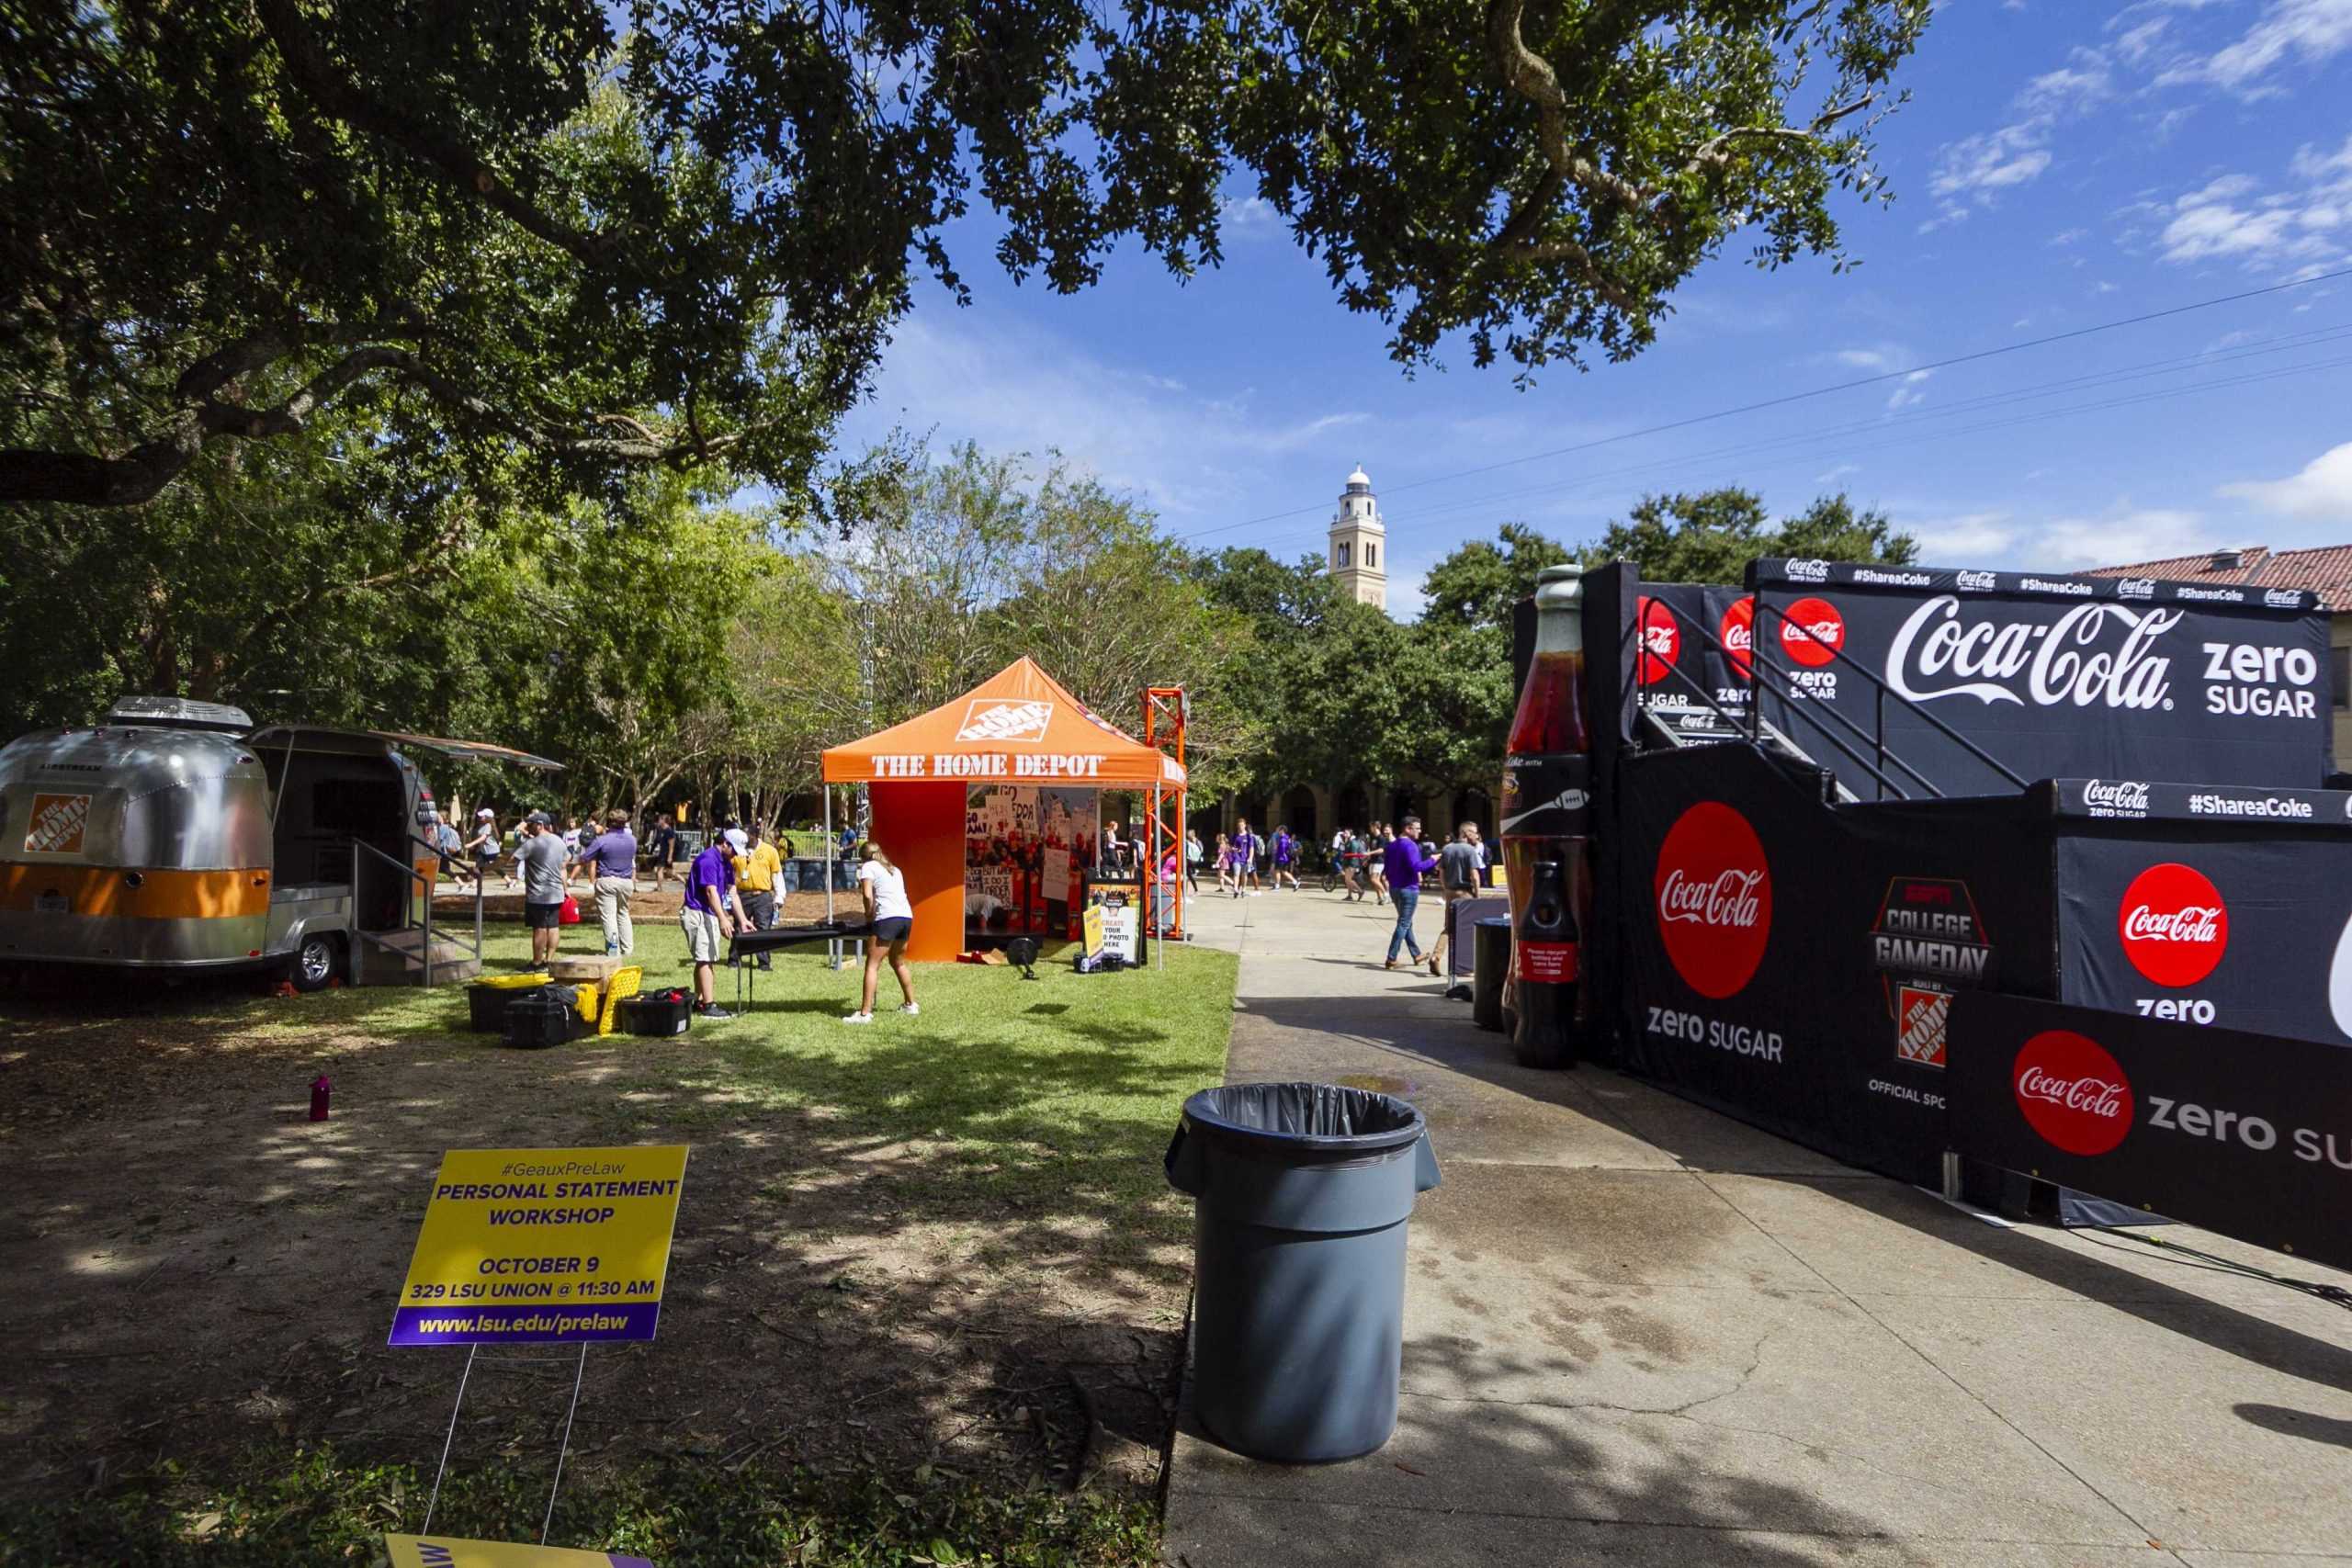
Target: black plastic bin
{"type": "Point", "coordinates": [546, 1016]}
{"type": "Point", "coordinates": [1490, 964]}
{"type": "Point", "coordinates": [660, 1016]}
{"type": "Point", "coordinates": [486, 1005]}
{"type": "Point", "coordinates": [1302, 1193]}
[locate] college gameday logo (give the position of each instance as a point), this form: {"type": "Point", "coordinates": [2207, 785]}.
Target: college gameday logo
{"type": "Point", "coordinates": [2174, 925]}
{"type": "Point", "coordinates": [58, 823]}
{"type": "Point", "coordinates": [1661, 639]}
{"type": "Point", "coordinates": [1812, 632]}
{"type": "Point", "coordinates": [1714, 898]}
{"type": "Point", "coordinates": [2072, 1092]}
{"type": "Point", "coordinates": [990, 720]}
{"type": "Point", "coordinates": [1737, 635]}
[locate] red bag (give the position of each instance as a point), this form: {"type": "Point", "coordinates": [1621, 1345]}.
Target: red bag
{"type": "Point", "coordinates": [570, 914]}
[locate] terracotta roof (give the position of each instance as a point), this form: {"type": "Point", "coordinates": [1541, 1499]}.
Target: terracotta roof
{"type": "Point", "coordinates": [2325, 570]}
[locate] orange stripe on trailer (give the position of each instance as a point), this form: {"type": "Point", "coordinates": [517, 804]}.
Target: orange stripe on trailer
{"type": "Point", "coordinates": [139, 894]}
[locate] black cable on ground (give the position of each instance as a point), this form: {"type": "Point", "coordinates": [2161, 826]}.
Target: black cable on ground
{"type": "Point", "coordinates": [2334, 1294]}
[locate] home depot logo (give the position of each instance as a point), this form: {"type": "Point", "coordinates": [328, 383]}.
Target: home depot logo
{"type": "Point", "coordinates": [992, 720]}
{"type": "Point", "coordinates": [57, 825]}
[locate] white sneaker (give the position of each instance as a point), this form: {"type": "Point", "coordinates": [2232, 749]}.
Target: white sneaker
{"type": "Point", "coordinates": [911, 1009]}
{"type": "Point", "coordinates": [859, 1017]}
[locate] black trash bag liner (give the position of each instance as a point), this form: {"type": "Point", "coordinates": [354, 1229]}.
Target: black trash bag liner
{"type": "Point", "coordinates": [1318, 1117]}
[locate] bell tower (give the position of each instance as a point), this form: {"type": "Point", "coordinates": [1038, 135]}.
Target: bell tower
{"type": "Point", "coordinates": [1360, 544]}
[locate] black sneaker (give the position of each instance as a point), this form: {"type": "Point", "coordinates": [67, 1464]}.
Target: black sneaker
{"type": "Point", "coordinates": [714, 1012]}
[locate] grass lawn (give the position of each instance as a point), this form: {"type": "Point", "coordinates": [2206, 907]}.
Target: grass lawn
{"type": "Point", "coordinates": [924, 1302]}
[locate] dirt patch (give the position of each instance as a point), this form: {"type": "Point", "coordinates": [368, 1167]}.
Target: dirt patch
{"type": "Point", "coordinates": [200, 1267]}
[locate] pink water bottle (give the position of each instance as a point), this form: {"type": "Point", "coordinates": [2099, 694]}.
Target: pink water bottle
{"type": "Point", "coordinates": [320, 1090]}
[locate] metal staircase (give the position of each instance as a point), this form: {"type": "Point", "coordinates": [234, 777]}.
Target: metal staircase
{"type": "Point", "coordinates": [1866, 749]}
{"type": "Point", "coordinates": [410, 953]}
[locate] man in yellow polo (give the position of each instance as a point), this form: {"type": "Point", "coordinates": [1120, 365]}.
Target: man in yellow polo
{"type": "Point", "coordinates": [758, 870]}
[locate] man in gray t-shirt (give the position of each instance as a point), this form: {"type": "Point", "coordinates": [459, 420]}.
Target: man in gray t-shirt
{"type": "Point", "coordinates": [1457, 869]}
{"type": "Point", "coordinates": [541, 858]}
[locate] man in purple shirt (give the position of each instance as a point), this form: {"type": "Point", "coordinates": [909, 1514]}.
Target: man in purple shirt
{"type": "Point", "coordinates": [712, 913]}
{"type": "Point", "coordinates": [1405, 862]}
{"type": "Point", "coordinates": [610, 860]}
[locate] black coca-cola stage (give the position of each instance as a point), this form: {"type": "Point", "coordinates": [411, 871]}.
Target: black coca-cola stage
{"type": "Point", "coordinates": [1827, 805]}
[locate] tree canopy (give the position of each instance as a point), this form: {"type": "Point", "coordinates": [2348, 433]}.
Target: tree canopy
{"type": "Point", "coordinates": [1710, 536]}
{"type": "Point", "coordinates": [557, 240]}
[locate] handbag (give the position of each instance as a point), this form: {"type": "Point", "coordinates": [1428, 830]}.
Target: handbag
{"type": "Point", "coordinates": [568, 915]}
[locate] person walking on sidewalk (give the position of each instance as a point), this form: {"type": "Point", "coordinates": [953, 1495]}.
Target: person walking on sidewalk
{"type": "Point", "coordinates": [610, 860]}
{"type": "Point", "coordinates": [1193, 854]}
{"type": "Point", "coordinates": [756, 874]}
{"type": "Point", "coordinates": [1245, 859]}
{"type": "Point", "coordinates": [1404, 863]}
{"type": "Point", "coordinates": [1286, 856]}
{"type": "Point", "coordinates": [1458, 866]}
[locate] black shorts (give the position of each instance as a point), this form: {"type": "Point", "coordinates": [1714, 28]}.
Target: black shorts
{"type": "Point", "coordinates": [893, 929]}
{"type": "Point", "coordinates": [543, 917]}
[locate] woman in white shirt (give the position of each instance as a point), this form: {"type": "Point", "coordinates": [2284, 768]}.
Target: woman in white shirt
{"type": "Point", "coordinates": [892, 919]}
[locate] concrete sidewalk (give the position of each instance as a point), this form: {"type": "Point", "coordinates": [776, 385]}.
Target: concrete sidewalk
{"type": "Point", "coordinates": [1637, 1332]}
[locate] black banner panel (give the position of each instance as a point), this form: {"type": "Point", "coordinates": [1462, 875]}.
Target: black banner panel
{"type": "Point", "coordinates": [2054, 677]}
{"type": "Point", "coordinates": [1690, 669]}
{"type": "Point", "coordinates": [2179, 921]}
{"type": "Point", "coordinates": [1795, 963]}
{"type": "Point", "coordinates": [2247, 1135]}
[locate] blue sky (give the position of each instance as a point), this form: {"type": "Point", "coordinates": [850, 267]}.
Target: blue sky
{"type": "Point", "coordinates": [2062, 164]}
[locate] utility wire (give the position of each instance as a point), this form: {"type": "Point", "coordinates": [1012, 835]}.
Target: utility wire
{"type": "Point", "coordinates": [1837, 438]}
{"type": "Point", "coordinates": [1880, 379]}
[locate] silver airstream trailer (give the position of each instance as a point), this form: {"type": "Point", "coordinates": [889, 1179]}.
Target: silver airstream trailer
{"type": "Point", "coordinates": [178, 837]}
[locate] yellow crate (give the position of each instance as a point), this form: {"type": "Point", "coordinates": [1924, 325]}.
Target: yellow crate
{"type": "Point", "coordinates": [624, 984]}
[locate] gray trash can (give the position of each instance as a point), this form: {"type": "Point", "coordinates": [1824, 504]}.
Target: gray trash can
{"type": "Point", "coordinates": [1302, 1191]}
{"type": "Point", "coordinates": [1491, 960]}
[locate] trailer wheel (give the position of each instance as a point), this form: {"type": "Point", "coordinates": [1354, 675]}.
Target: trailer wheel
{"type": "Point", "coordinates": [314, 963]}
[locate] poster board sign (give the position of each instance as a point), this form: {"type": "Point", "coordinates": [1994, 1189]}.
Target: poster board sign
{"type": "Point", "coordinates": [448, 1551]}
{"type": "Point", "coordinates": [529, 1246]}
{"type": "Point", "coordinates": [1092, 926]}
{"type": "Point", "coordinates": [2235, 1132]}
{"type": "Point", "coordinates": [1120, 927]}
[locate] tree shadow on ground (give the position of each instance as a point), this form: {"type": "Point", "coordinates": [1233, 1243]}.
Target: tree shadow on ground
{"type": "Point", "coordinates": [953, 1249]}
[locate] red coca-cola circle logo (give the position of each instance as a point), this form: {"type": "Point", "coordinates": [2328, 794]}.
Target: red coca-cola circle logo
{"type": "Point", "coordinates": [1738, 634]}
{"type": "Point", "coordinates": [2072, 1092]}
{"type": "Point", "coordinates": [2174, 924]}
{"type": "Point", "coordinates": [1661, 638]}
{"type": "Point", "coordinates": [1819, 617]}
{"type": "Point", "coordinates": [1714, 898]}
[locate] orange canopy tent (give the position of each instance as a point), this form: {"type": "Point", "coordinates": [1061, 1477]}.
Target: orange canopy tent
{"type": "Point", "coordinates": [1019, 726]}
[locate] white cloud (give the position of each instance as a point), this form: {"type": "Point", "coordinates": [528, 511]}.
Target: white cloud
{"type": "Point", "coordinates": [2226, 219]}
{"type": "Point", "coordinates": [2322, 493]}
{"type": "Point", "coordinates": [1908, 391]}
{"type": "Point", "coordinates": [2070, 236]}
{"type": "Point", "coordinates": [1991, 161]}
{"type": "Point", "coordinates": [1880, 357]}
{"type": "Point", "coordinates": [1013, 389]}
{"type": "Point", "coordinates": [1963, 540]}
{"type": "Point", "coordinates": [2123, 534]}
{"type": "Point", "coordinates": [2305, 32]}
{"type": "Point", "coordinates": [1249, 218]}
{"type": "Point", "coordinates": [1832, 475]}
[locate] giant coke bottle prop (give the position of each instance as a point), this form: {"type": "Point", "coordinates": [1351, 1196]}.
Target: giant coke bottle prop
{"type": "Point", "coordinates": [1546, 801]}
{"type": "Point", "coordinates": [1548, 958]}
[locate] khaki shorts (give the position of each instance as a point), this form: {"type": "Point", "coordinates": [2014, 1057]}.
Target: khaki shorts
{"type": "Point", "coordinates": [702, 934]}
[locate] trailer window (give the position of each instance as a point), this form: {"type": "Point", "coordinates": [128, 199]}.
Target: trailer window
{"type": "Point", "coordinates": [359, 808]}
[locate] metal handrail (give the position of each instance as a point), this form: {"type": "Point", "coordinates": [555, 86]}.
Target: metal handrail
{"type": "Point", "coordinates": [1755, 723]}
{"type": "Point", "coordinates": [431, 881]}
{"type": "Point", "coordinates": [1884, 691]}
